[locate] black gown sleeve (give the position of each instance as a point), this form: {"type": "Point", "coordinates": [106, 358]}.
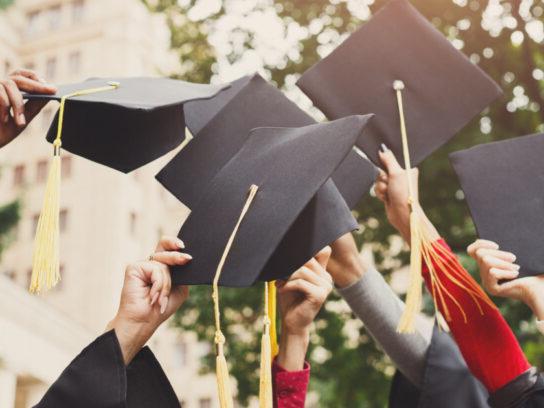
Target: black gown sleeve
{"type": "Point", "coordinates": [447, 382]}
{"type": "Point", "coordinates": [525, 391]}
{"type": "Point", "coordinates": [98, 378]}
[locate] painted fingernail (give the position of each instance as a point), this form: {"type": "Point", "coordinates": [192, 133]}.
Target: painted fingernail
{"type": "Point", "coordinates": [384, 148]}
{"type": "Point", "coordinates": [516, 267]}
{"type": "Point", "coordinates": [154, 299]}
{"type": "Point", "coordinates": [21, 120]}
{"type": "Point", "coordinates": [187, 256]}
{"type": "Point", "coordinates": [164, 303]}
{"type": "Point", "coordinates": [180, 244]}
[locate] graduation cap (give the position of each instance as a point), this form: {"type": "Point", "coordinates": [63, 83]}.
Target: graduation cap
{"type": "Point", "coordinates": [422, 91]}
{"type": "Point", "coordinates": [443, 89]}
{"type": "Point", "coordinates": [503, 184]}
{"type": "Point", "coordinates": [221, 125]}
{"type": "Point", "coordinates": [237, 231]}
{"type": "Point", "coordinates": [122, 123]}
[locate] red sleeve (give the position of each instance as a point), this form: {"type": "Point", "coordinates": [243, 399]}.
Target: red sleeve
{"type": "Point", "coordinates": [290, 387]}
{"type": "Point", "coordinates": [487, 343]}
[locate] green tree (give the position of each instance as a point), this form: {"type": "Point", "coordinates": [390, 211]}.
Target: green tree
{"type": "Point", "coordinates": [504, 37]}
{"type": "Point", "coordinates": [5, 3]}
{"type": "Point", "coordinates": [9, 217]}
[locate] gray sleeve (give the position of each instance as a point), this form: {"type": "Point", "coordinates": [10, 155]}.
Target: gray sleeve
{"type": "Point", "coordinates": [380, 309]}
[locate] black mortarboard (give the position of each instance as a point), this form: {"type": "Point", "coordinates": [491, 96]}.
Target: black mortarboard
{"type": "Point", "coordinates": [503, 184]}
{"type": "Point", "coordinates": [122, 123]}
{"type": "Point", "coordinates": [443, 89]}
{"type": "Point", "coordinates": [288, 165]}
{"type": "Point", "coordinates": [221, 125]}
{"type": "Point", "coordinates": [128, 125]}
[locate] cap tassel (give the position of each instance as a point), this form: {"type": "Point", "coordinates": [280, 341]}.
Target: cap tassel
{"type": "Point", "coordinates": [265, 383]}
{"type": "Point", "coordinates": [45, 261]}
{"type": "Point", "coordinates": [271, 287]}
{"type": "Point", "coordinates": [424, 249]}
{"type": "Point", "coordinates": [222, 369]}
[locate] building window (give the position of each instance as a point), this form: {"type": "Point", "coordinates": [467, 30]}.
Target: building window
{"type": "Point", "coordinates": [205, 403]}
{"type": "Point", "coordinates": [63, 220]}
{"type": "Point", "coordinates": [41, 171]}
{"type": "Point", "coordinates": [7, 68]}
{"type": "Point", "coordinates": [133, 223]}
{"type": "Point", "coordinates": [182, 354]}
{"type": "Point", "coordinates": [35, 220]}
{"type": "Point", "coordinates": [66, 166]}
{"type": "Point", "coordinates": [53, 17]}
{"type": "Point", "coordinates": [32, 22]}
{"type": "Point", "coordinates": [28, 277]}
{"type": "Point", "coordinates": [51, 68]}
{"type": "Point", "coordinates": [11, 274]}
{"type": "Point", "coordinates": [18, 175]}
{"type": "Point", "coordinates": [74, 62]}
{"type": "Point", "coordinates": [78, 10]}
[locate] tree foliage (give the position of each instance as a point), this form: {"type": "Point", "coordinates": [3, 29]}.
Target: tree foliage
{"type": "Point", "coordinates": [504, 37]}
{"type": "Point", "coordinates": [9, 217]}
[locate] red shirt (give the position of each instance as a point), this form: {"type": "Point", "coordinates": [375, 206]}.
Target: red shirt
{"type": "Point", "coordinates": [290, 387]}
{"type": "Point", "coordinates": [487, 343]}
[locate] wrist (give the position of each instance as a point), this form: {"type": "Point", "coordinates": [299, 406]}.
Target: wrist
{"type": "Point", "coordinates": [293, 348]}
{"type": "Point", "coordinates": [535, 301]}
{"type": "Point", "coordinates": [132, 336]}
{"type": "Point", "coordinates": [346, 271]}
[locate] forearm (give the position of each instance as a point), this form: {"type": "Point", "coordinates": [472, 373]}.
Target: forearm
{"type": "Point", "coordinates": [293, 348]}
{"type": "Point", "coordinates": [380, 309]}
{"type": "Point", "coordinates": [485, 339]}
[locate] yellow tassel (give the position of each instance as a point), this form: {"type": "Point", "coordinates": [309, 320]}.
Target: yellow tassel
{"type": "Point", "coordinates": [423, 249]}
{"type": "Point", "coordinates": [265, 383]}
{"type": "Point", "coordinates": [45, 262]}
{"type": "Point", "coordinates": [222, 373]}
{"type": "Point", "coordinates": [414, 293]}
{"type": "Point", "coordinates": [272, 317]}
{"type": "Point", "coordinates": [221, 368]}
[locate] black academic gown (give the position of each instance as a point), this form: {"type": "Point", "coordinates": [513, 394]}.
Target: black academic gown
{"type": "Point", "coordinates": [447, 381]}
{"type": "Point", "coordinates": [98, 378]}
{"type": "Point", "coordinates": [526, 391]}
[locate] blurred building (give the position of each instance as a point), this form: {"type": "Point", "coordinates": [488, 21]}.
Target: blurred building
{"type": "Point", "coordinates": [107, 219]}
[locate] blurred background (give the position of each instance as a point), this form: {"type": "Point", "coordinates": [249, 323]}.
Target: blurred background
{"type": "Point", "coordinates": [109, 219]}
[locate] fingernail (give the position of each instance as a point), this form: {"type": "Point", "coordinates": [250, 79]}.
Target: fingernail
{"type": "Point", "coordinates": [180, 243]}
{"type": "Point", "coordinates": [21, 120]}
{"type": "Point", "coordinates": [5, 118]}
{"type": "Point", "coordinates": [164, 303]}
{"type": "Point", "coordinates": [187, 256]}
{"type": "Point", "coordinates": [154, 299]}
{"type": "Point", "coordinates": [516, 267]}
{"type": "Point", "coordinates": [384, 148]}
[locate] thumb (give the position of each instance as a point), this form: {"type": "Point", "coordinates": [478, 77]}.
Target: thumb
{"type": "Point", "coordinates": [323, 256]}
{"type": "Point", "coordinates": [389, 161]}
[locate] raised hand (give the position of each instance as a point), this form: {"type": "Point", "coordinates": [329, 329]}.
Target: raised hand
{"type": "Point", "coordinates": [15, 115]}
{"type": "Point", "coordinates": [498, 271]}
{"type": "Point", "coordinates": [147, 298]}
{"type": "Point", "coordinates": [300, 298]}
